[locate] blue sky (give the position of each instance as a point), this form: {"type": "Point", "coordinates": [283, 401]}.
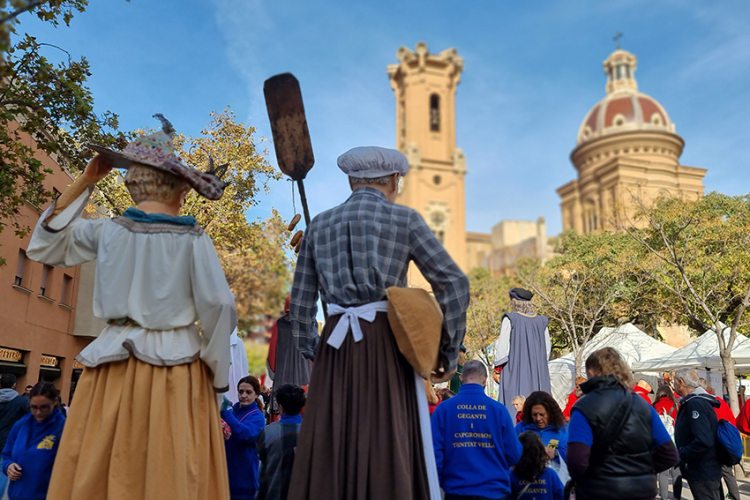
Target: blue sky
{"type": "Point", "coordinates": [531, 74]}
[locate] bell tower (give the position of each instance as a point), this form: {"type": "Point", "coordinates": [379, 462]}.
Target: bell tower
{"type": "Point", "coordinates": [425, 89]}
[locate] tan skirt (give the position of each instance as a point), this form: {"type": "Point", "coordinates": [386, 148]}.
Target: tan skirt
{"type": "Point", "coordinates": [142, 431]}
{"type": "Point", "coordinates": [360, 437]}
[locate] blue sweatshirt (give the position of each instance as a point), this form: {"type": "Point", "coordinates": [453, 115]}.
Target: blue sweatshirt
{"type": "Point", "coordinates": [33, 446]}
{"type": "Point", "coordinates": [546, 487]}
{"type": "Point", "coordinates": [555, 438]}
{"type": "Point", "coordinates": [246, 423]}
{"type": "Point", "coordinates": [475, 444]}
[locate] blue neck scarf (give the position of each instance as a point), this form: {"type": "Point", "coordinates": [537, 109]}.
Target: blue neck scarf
{"type": "Point", "coordinates": [141, 216]}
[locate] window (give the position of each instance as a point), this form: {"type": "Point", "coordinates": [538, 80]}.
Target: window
{"type": "Point", "coordinates": [46, 271]}
{"type": "Point", "coordinates": [21, 269]}
{"type": "Point", "coordinates": [435, 113]}
{"type": "Point", "coordinates": [437, 179]}
{"type": "Point", "coordinates": [619, 72]}
{"type": "Point", "coordinates": [67, 290]}
{"type": "Point", "coordinates": [627, 72]}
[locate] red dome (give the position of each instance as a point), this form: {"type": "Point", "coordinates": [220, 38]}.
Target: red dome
{"type": "Point", "coordinates": [622, 111]}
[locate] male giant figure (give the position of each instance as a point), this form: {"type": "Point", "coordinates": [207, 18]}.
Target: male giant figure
{"type": "Point", "coordinates": [522, 351]}
{"type": "Point", "coordinates": [360, 438]}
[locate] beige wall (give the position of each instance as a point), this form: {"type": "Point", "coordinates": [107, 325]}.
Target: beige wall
{"type": "Point", "coordinates": [31, 323]}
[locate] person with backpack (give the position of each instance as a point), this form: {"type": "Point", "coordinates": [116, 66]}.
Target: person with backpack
{"type": "Point", "coordinates": [695, 436]}
{"type": "Point", "coordinates": [666, 408]}
{"type": "Point", "coordinates": [616, 441]}
{"type": "Point", "coordinates": [531, 478]}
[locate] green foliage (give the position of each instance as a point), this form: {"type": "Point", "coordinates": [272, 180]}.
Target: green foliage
{"type": "Point", "coordinates": [585, 286]}
{"type": "Point", "coordinates": [51, 11]}
{"type": "Point", "coordinates": [257, 353]}
{"type": "Point", "coordinates": [488, 302]}
{"type": "Point", "coordinates": [44, 109]}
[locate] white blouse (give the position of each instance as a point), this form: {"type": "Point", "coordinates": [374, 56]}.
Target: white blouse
{"type": "Point", "coordinates": [162, 276]}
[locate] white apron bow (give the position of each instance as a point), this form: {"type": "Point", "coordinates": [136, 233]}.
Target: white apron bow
{"type": "Point", "coordinates": [350, 318]}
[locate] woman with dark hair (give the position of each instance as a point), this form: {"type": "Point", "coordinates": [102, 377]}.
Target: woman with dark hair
{"type": "Point", "coordinates": [531, 476]}
{"type": "Point", "coordinates": [30, 451]}
{"type": "Point", "coordinates": [246, 421]}
{"type": "Point", "coordinates": [617, 441]}
{"type": "Point", "coordinates": [542, 414]}
{"type": "Point", "coordinates": [664, 402]}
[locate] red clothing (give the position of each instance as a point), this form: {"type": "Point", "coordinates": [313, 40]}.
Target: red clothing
{"type": "Point", "coordinates": [725, 412]}
{"type": "Point", "coordinates": [666, 406]}
{"type": "Point", "coordinates": [433, 407]}
{"type": "Point", "coordinates": [519, 414]}
{"type": "Point", "coordinates": [571, 401]}
{"type": "Point", "coordinates": [743, 419]}
{"type": "Point", "coordinates": [642, 393]}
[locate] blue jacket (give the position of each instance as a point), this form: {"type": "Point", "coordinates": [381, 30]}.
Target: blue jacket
{"type": "Point", "coordinates": [246, 423]}
{"type": "Point", "coordinates": [546, 487]}
{"type": "Point", "coordinates": [548, 434]}
{"type": "Point", "coordinates": [475, 445]}
{"type": "Point", "coordinates": [33, 446]}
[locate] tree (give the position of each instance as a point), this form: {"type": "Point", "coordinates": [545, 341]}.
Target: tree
{"type": "Point", "coordinates": [52, 11]}
{"type": "Point", "coordinates": [584, 286]}
{"type": "Point", "coordinates": [49, 104]}
{"type": "Point", "coordinates": [488, 301]}
{"type": "Point", "coordinates": [254, 255]}
{"type": "Point", "coordinates": [699, 254]}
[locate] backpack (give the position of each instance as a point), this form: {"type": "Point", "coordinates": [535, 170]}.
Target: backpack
{"type": "Point", "coordinates": [729, 447]}
{"type": "Point", "coordinates": [668, 422]}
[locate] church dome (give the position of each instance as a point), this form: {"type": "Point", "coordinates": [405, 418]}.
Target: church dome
{"type": "Point", "coordinates": [624, 109]}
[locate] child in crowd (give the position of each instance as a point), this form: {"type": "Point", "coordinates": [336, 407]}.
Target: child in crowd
{"type": "Point", "coordinates": [518, 402]}
{"type": "Point", "coordinates": [277, 442]}
{"type": "Point", "coordinates": [530, 478]}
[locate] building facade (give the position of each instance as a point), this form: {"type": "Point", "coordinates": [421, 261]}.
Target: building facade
{"type": "Point", "coordinates": [627, 154]}
{"type": "Point", "coordinates": [40, 306]}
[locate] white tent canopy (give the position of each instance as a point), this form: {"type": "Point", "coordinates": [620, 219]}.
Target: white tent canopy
{"type": "Point", "coordinates": [701, 354]}
{"type": "Point", "coordinates": [633, 345]}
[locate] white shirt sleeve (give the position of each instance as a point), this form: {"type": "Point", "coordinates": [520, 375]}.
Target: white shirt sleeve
{"type": "Point", "coordinates": [68, 240]}
{"type": "Point", "coordinates": [547, 342]}
{"type": "Point", "coordinates": [214, 302]}
{"type": "Point", "coordinates": [502, 345]}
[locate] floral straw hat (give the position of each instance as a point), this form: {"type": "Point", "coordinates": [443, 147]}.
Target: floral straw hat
{"type": "Point", "coordinates": [157, 150]}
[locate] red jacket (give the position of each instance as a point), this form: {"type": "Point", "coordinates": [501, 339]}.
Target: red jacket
{"type": "Point", "coordinates": [743, 419]}
{"type": "Point", "coordinates": [642, 393]}
{"type": "Point", "coordinates": [666, 406]}
{"type": "Point", "coordinates": [725, 412]}
{"type": "Point", "coordinates": [571, 401]}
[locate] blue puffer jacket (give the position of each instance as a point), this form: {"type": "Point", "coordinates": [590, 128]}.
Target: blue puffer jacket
{"type": "Point", "coordinates": [246, 423]}
{"type": "Point", "coordinates": [550, 436]}
{"type": "Point", "coordinates": [33, 446]}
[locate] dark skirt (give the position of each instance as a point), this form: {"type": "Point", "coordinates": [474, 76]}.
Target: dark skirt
{"type": "Point", "coordinates": [360, 436]}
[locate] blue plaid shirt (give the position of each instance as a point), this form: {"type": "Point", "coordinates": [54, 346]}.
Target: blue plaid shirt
{"type": "Point", "coordinates": [352, 253]}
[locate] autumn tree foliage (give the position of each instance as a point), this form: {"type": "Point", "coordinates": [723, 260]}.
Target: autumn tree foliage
{"type": "Point", "coordinates": [698, 254]}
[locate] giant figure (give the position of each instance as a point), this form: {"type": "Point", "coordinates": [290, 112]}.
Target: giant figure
{"type": "Point", "coordinates": [522, 351]}
{"type": "Point", "coordinates": [145, 422]}
{"type": "Point", "coordinates": [364, 436]}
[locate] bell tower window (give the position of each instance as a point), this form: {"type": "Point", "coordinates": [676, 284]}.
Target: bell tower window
{"type": "Point", "coordinates": [435, 113]}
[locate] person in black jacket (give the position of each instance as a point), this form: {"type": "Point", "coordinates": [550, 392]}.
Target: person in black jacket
{"type": "Point", "coordinates": [616, 441]}
{"type": "Point", "coordinates": [12, 408]}
{"type": "Point", "coordinates": [695, 436]}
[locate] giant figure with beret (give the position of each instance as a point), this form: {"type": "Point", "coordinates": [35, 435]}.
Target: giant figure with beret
{"type": "Point", "coordinates": [364, 433]}
{"type": "Point", "coordinates": [145, 422]}
{"type": "Point", "coordinates": [522, 351]}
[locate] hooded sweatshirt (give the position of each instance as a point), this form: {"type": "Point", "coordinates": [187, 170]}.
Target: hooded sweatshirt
{"type": "Point", "coordinates": [246, 423]}
{"type": "Point", "coordinates": [695, 436]}
{"type": "Point", "coordinates": [12, 408]}
{"type": "Point", "coordinates": [33, 446]}
{"type": "Point", "coordinates": [554, 438]}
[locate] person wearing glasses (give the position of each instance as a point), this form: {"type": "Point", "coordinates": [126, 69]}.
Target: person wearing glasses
{"type": "Point", "coordinates": [30, 451]}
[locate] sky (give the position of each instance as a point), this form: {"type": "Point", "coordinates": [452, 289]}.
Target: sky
{"type": "Point", "coordinates": [532, 71]}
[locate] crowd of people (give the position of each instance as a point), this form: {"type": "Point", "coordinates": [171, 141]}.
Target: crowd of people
{"type": "Point", "coordinates": [614, 442]}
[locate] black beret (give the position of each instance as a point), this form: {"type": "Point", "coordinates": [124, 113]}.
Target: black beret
{"type": "Point", "coordinates": [521, 294]}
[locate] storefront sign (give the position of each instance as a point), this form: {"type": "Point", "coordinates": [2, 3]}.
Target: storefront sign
{"type": "Point", "coordinates": [50, 361]}
{"type": "Point", "coordinates": [10, 355]}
